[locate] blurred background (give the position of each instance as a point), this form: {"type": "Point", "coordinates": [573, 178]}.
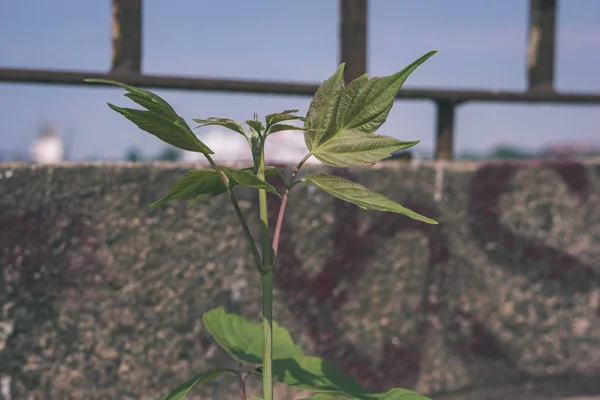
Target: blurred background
{"type": "Point", "coordinates": [482, 46]}
{"type": "Point", "coordinates": [102, 297]}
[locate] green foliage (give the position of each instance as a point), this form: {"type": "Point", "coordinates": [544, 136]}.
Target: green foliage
{"type": "Point", "coordinates": [315, 375]}
{"type": "Point", "coordinates": [402, 394]}
{"type": "Point", "coordinates": [269, 172]}
{"type": "Point", "coordinates": [180, 391]}
{"type": "Point", "coordinates": [207, 182]}
{"type": "Point", "coordinates": [283, 127]}
{"type": "Point", "coordinates": [366, 103]}
{"type": "Point", "coordinates": [274, 121]}
{"type": "Point", "coordinates": [200, 183]}
{"type": "Point", "coordinates": [248, 179]}
{"type": "Point", "coordinates": [286, 115]}
{"type": "Point", "coordinates": [353, 148]}
{"type": "Point", "coordinates": [224, 122]}
{"type": "Point", "coordinates": [160, 119]}
{"type": "Point", "coordinates": [355, 193]}
{"type": "Point", "coordinates": [256, 126]}
{"type": "Point", "coordinates": [319, 122]}
{"type": "Point", "coordinates": [339, 131]}
{"type": "Point", "coordinates": [341, 120]}
{"type": "Point", "coordinates": [243, 339]}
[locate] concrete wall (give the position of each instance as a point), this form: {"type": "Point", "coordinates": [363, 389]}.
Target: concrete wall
{"type": "Point", "coordinates": [101, 296]}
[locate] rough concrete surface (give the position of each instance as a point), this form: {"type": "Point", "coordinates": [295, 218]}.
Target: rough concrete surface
{"type": "Point", "coordinates": [101, 296]}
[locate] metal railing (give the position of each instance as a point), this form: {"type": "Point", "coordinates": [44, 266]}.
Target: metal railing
{"type": "Point", "coordinates": [126, 67]}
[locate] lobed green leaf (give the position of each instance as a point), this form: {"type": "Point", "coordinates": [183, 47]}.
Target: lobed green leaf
{"type": "Point", "coordinates": [320, 118]}
{"type": "Point", "coordinates": [353, 148]}
{"type": "Point", "coordinates": [160, 120]}
{"type": "Point", "coordinates": [183, 389]}
{"type": "Point", "coordinates": [355, 193]}
{"type": "Point", "coordinates": [366, 103]}
{"type": "Point", "coordinates": [338, 115]}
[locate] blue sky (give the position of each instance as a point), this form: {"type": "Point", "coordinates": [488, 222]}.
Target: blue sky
{"type": "Point", "coordinates": [482, 45]}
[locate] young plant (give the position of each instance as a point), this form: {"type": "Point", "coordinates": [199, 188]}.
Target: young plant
{"type": "Point", "coordinates": [338, 131]}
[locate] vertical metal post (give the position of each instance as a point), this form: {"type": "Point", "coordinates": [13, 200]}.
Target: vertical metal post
{"type": "Point", "coordinates": [444, 146]}
{"type": "Point", "coordinates": [542, 44]}
{"type": "Point", "coordinates": [126, 36]}
{"type": "Point", "coordinates": [353, 37]}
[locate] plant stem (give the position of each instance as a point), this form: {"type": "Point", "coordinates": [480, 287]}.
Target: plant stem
{"type": "Point", "coordinates": [247, 234]}
{"type": "Point", "coordinates": [267, 285]}
{"type": "Point", "coordinates": [284, 203]}
{"type": "Point", "coordinates": [267, 335]}
{"type": "Point", "coordinates": [267, 249]}
{"type": "Point", "coordinates": [242, 380]}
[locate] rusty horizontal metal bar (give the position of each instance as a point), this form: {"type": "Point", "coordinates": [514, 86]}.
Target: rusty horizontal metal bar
{"type": "Point", "coordinates": [34, 76]}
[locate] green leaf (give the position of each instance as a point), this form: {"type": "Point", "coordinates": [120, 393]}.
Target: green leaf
{"type": "Point", "coordinates": [243, 339]}
{"type": "Point", "coordinates": [248, 179]}
{"type": "Point", "coordinates": [224, 122]}
{"type": "Point", "coordinates": [355, 193]}
{"type": "Point", "coordinates": [272, 171]}
{"type": "Point", "coordinates": [197, 199]}
{"type": "Point", "coordinates": [207, 182]}
{"type": "Point", "coordinates": [320, 119]}
{"type": "Point", "coordinates": [257, 126]}
{"type": "Point", "coordinates": [366, 103]}
{"type": "Point", "coordinates": [160, 105]}
{"type": "Point", "coordinates": [340, 119]}
{"type": "Point", "coordinates": [286, 115]}
{"type": "Point", "coordinates": [401, 394]}
{"type": "Point", "coordinates": [354, 148]}
{"type": "Point", "coordinates": [162, 108]}
{"type": "Point", "coordinates": [200, 183]}
{"type": "Point", "coordinates": [175, 133]}
{"type": "Point", "coordinates": [269, 171]}
{"type": "Point", "coordinates": [255, 147]}
{"type": "Point", "coordinates": [320, 396]}
{"type": "Point", "coordinates": [160, 120]}
{"type": "Point", "coordinates": [283, 127]}
{"type": "Point", "coordinates": [180, 392]}
{"type": "Point", "coordinates": [315, 375]}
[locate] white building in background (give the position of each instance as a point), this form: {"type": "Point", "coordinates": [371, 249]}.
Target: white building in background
{"type": "Point", "coordinates": [228, 146]}
{"type": "Point", "coordinates": [285, 147]}
{"type": "Point", "coordinates": [48, 148]}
